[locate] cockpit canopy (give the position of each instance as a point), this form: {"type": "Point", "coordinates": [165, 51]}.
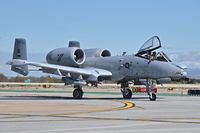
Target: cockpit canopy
{"type": "Point", "coordinates": [150, 45]}
{"type": "Point", "coordinates": [147, 50]}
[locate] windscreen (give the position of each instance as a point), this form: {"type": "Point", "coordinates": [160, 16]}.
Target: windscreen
{"type": "Point", "coordinates": [161, 56]}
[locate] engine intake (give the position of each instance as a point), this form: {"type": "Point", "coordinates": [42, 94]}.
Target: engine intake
{"type": "Point", "coordinates": [98, 52]}
{"type": "Point", "coordinates": [72, 56]}
{"type": "Point", "coordinates": [79, 56]}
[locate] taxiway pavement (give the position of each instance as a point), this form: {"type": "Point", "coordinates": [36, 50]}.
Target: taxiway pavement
{"type": "Point", "coordinates": [22, 112]}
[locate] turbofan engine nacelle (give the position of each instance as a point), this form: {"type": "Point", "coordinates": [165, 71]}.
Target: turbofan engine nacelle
{"type": "Point", "coordinates": [72, 56]}
{"type": "Point", "coordinates": [97, 52]}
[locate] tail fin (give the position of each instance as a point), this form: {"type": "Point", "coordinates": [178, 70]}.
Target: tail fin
{"type": "Point", "coordinates": [20, 52]}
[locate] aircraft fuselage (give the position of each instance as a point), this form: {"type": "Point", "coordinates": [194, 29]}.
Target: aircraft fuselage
{"type": "Point", "coordinates": [133, 67]}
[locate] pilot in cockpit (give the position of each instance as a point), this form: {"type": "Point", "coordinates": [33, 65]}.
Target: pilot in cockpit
{"type": "Point", "coordinates": [152, 56]}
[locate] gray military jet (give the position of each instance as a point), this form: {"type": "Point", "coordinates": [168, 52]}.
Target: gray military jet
{"type": "Point", "coordinates": [77, 66]}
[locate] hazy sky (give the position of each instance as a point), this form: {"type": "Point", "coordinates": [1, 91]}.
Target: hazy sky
{"type": "Point", "coordinates": [119, 25]}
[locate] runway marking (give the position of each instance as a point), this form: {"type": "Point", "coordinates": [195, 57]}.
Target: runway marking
{"type": "Point", "coordinates": [138, 119]}
{"type": "Point", "coordinates": [157, 120]}
{"type": "Point", "coordinates": [127, 105]}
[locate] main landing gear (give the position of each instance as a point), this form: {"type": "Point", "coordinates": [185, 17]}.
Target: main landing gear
{"type": "Point", "coordinates": [149, 87]}
{"type": "Point", "coordinates": [78, 92]}
{"type": "Point", "coordinates": [126, 92]}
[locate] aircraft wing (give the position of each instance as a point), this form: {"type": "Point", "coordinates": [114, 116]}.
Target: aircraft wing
{"type": "Point", "coordinates": [91, 72]}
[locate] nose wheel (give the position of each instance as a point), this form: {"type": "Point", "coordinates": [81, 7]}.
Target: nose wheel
{"type": "Point", "coordinates": [78, 92]}
{"type": "Point", "coordinates": [149, 87]}
{"type": "Point", "coordinates": [152, 97]}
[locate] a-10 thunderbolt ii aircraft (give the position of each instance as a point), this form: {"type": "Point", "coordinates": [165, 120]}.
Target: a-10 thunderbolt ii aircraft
{"type": "Point", "coordinates": [77, 66]}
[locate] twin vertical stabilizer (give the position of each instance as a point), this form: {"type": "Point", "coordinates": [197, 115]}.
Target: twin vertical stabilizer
{"type": "Point", "coordinates": [20, 52]}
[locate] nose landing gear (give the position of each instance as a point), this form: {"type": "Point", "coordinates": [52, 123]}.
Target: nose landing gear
{"type": "Point", "coordinates": [152, 97]}
{"type": "Point", "coordinates": [149, 87]}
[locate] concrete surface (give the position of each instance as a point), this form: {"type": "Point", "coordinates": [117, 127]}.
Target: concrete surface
{"type": "Point", "coordinates": [25, 112]}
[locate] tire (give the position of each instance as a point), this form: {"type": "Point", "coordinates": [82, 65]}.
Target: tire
{"type": "Point", "coordinates": [127, 94]}
{"type": "Point", "coordinates": [78, 94]}
{"type": "Point", "coordinates": [152, 97]}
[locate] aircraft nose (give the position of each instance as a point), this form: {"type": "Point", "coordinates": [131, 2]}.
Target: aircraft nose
{"type": "Point", "coordinates": [181, 74]}
{"type": "Point", "coordinates": [184, 74]}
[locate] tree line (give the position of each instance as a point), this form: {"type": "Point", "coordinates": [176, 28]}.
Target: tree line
{"type": "Point", "coordinates": [42, 79]}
